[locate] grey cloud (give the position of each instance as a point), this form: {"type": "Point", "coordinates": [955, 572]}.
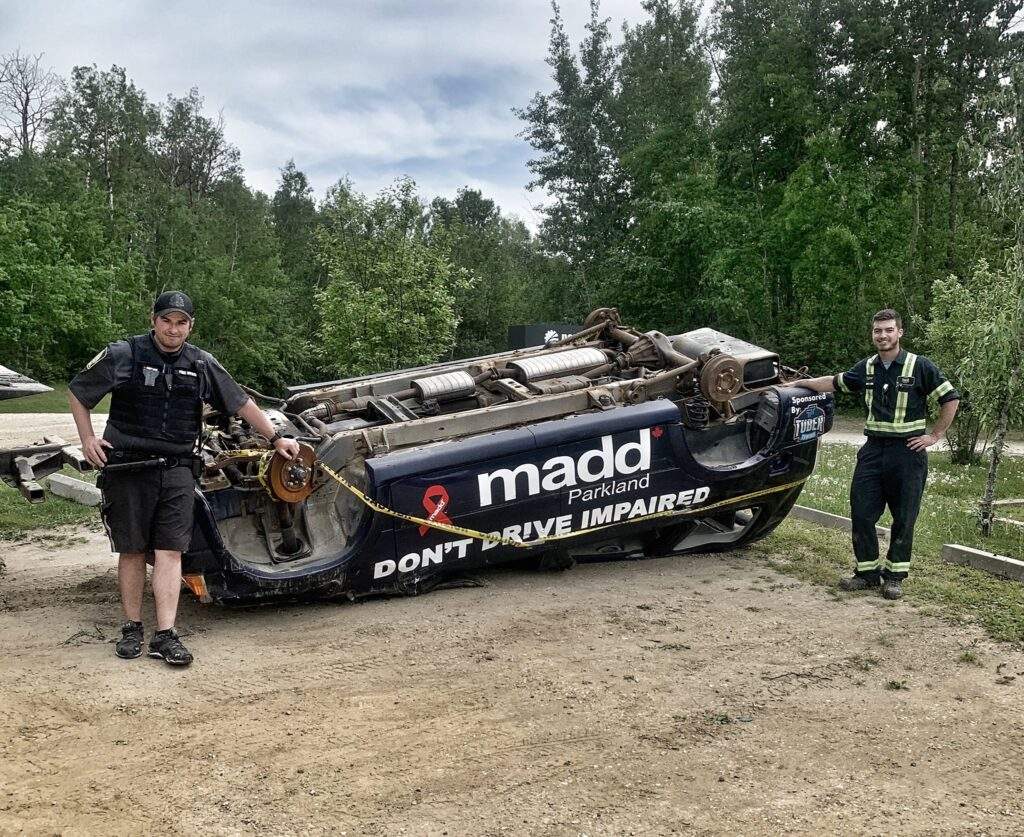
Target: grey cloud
{"type": "Point", "coordinates": [372, 90]}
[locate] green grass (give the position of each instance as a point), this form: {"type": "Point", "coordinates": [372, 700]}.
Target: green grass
{"type": "Point", "coordinates": [949, 509]}
{"type": "Point", "coordinates": [20, 518]}
{"type": "Point", "coordinates": [47, 402]}
{"type": "Point", "coordinates": [969, 657]}
{"type": "Point", "coordinates": [960, 594]}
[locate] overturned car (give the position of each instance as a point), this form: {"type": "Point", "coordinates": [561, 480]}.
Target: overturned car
{"type": "Point", "coordinates": [608, 443]}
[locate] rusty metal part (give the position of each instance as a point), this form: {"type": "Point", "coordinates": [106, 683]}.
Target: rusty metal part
{"type": "Point", "coordinates": [553, 386]}
{"type": "Point", "coordinates": [322, 411]}
{"type": "Point", "coordinates": [721, 378]}
{"type": "Point", "coordinates": [590, 330]}
{"type": "Point", "coordinates": [603, 317]}
{"type": "Point", "coordinates": [626, 338]}
{"type": "Point", "coordinates": [600, 371]}
{"type": "Point", "coordinates": [291, 545]}
{"type": "Point", "coordinates": [669, 374]}
{"type": "Point", "coordinates": [513, 389]}
{"type": "Point", "coordinates": [635, 393]}
{"type": "Point", "coordinates": [652, 348]}
{"type": "Point", "coordinates": [291, 480]}
{"type": "Point", "coordinates": [232, 459]}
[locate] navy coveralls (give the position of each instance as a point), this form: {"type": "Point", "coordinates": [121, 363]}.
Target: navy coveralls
{"type": "Point", "coordinates": [888, 473]}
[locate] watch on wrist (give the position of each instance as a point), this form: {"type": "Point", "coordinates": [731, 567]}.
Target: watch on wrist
{"type": "Point", "coordinates": [277, 435]}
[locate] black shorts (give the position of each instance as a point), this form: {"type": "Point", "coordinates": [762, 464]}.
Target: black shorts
{"type": "Point", "coordinates": [148, 509]}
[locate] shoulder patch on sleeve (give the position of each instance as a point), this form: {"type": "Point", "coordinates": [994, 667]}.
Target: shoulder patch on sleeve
{"type": "Point", "coordinates": [102, 354]}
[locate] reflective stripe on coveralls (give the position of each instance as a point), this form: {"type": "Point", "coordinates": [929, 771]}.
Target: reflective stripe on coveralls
{"type": "Point", "coordinates": [898, 425]}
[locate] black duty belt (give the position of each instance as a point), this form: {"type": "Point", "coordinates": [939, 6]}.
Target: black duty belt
{"type": "Point", "coordinates": [124, 462]}
{"type": "Point", "coordinates": [136, 465]}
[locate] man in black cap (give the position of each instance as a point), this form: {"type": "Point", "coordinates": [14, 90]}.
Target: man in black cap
{"type": "Point", "coordinates": [159, 384]}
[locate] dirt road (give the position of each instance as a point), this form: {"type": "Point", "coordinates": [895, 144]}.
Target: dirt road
{"type": "Point", "coordinates": [26, 428]}
{"type": "Point", "coordinates": [697, 695]}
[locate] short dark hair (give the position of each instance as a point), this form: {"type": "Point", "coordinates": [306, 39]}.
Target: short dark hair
{"type": "Point", "coordinates": [888, 314]}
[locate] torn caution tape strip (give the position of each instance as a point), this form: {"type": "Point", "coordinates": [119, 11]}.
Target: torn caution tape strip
{"type": "Point", "coordinates": [437, 521]}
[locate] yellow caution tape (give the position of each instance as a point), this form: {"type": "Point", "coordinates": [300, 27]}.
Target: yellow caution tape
{"type": "Point", "coordinates": [517, 542]}
{"type": "Point", "coordinates": [265, 457]}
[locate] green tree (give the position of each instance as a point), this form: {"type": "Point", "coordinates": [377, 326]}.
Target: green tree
{"type": "Point", "coordinates": [983, 315]}
{"type": "Point", "coordinates": [499, 255]}
{"type": "Point", "coordinates": [106, 123]}
{"type": "Point", "coordinates": [192, 153]}
{"type": "Point", "coordinates": [389, 300]}
{"type": "Point", "coordinates": [981, 319]}
{"type": "Point", "coordinates": [574, 131]}
{"type": "Point", "coordinates": [55, 276]}
{"type": "Point", "coordinates": [663, 107]}
{"type": "Point", "coordinates": [296, 218]}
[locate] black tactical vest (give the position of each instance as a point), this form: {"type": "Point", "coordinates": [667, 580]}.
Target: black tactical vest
{"type": "Point", "coordinates": [162, 399]}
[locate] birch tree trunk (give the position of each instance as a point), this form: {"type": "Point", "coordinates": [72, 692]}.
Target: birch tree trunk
{"type": "Point", "coordinates": [989, 497]}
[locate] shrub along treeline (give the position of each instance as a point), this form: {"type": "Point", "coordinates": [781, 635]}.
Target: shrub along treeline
{"type": "Point", "coordinates": [780, 172]}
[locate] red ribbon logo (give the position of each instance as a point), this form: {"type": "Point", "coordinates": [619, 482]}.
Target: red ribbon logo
{"type": "Point", "coordinates": [435, 501]}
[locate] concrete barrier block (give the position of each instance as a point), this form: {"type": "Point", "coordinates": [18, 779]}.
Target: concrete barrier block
{"type": "Point", "coordinates": [832, 521]}
{"type": "Point", "coordinates": [979, 559]}
{"type": "Point", "coordinates": [77, 490]}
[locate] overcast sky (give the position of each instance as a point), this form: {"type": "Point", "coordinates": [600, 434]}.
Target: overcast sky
{"type": "Point", "coordinates": [373, 90]}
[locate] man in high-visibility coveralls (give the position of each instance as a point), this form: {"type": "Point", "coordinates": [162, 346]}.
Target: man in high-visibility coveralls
{"type": "Point", "coordinates": [892, 466]}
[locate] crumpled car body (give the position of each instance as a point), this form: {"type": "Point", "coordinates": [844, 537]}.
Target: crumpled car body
{"type": "Point", "coordinates": [612, 443]}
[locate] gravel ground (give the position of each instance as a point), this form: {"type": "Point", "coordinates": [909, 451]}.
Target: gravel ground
{"type": "Point", "coordinates": [704, 694]}
{"type": "Point", "coordinates": [697, 695]}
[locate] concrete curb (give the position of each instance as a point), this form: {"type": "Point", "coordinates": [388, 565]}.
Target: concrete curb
{"type": "Point", "coordinates": [832, 521]}
{"type": "Point", "coordinates": [952, 553]}
{"type": "Point", "coordinates": [965, 556]}
{"type": "Point", "coordinates": [76, 490]}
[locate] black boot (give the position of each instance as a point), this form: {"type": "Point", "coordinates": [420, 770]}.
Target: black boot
{"type": "Point", "coordinates": [166, 646]}
{"type": "Point", "coordinates": [129, 646]}
{"type": "Point", "coordinates": [893, 588]}
{"type": "Point", "coordinates": [858, 582]}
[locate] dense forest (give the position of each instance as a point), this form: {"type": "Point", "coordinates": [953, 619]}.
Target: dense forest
{"type": "Point", "coordinates": [778, 169]}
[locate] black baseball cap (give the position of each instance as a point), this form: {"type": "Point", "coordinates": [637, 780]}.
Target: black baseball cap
{"type": "Point", "coordinates": [173, 301]}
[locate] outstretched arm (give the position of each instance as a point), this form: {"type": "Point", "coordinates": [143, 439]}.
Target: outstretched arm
{"type": "Point", "coordinates": [826, 383]}
{"type": "Point", "coordinates": [258, 421]}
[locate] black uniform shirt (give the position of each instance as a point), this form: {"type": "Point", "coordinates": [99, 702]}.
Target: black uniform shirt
{"type": "Point", "coordinates": [896, 399]}
{"type": "Point", "coordinates": [113, 366]}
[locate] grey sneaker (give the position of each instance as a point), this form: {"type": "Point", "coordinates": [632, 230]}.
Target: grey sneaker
{"type": "Point", "coordinates": [893, 588]}
{"type": "Point", "coordinates": [166, 646]}
{"type": "Point", "coordinates": [858, 582]}
{"type": "Point", "coordinates": [129, 646]}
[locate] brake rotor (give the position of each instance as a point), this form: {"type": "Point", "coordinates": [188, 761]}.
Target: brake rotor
{"type": "Point", "coordinates": [291, 480]}
{"type": "Point", "coordinates": [721, 378]}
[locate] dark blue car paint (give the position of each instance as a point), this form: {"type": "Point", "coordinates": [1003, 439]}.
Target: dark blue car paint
{"type": "Point", "coordinates": [400, 480]}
